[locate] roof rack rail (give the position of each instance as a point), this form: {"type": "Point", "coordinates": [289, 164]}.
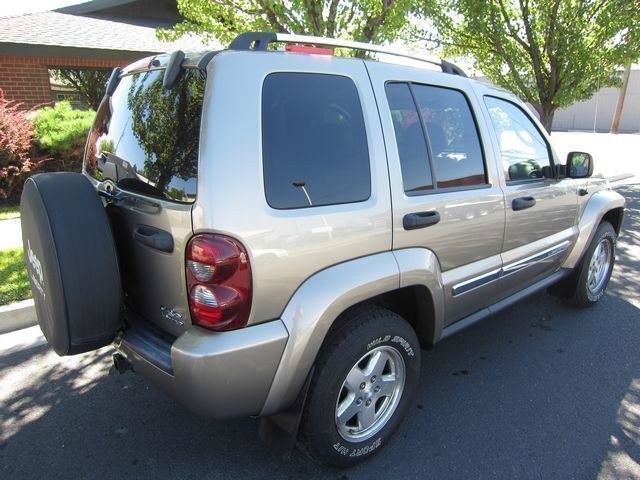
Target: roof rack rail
{"type": "Point", "coordinates": [260, 41]}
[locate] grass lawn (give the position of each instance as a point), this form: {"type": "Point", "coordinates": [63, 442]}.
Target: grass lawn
{"type": "Point", "coordinates": [9, 211]}
{"type": "Point", "coordinates": [14, 282]}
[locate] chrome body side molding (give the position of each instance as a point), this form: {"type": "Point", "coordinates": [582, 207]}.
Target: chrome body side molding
{"type": "Point", "coordinates": [510, 268]}
{"type": "Point", "coordinates": [476, 282]}
{"type": "Point", "coordinates": [538, 257]}
{"type": "Point", "coordinates": [504, 303]}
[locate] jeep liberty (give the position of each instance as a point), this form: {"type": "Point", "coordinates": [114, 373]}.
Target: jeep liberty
{"type": "Point", "coordinates": [274, 231]}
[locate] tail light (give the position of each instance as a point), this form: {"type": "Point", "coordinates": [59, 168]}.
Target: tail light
{"type": "Point", "coordinates": [219, 282]}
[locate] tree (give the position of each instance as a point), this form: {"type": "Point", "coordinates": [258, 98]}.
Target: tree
{"type": "Point", "coordinates": [551, 53]}
{"type": "Point", "coordinates": [90, 83]}
{"type": "Point", "coordinates": [366, 20]}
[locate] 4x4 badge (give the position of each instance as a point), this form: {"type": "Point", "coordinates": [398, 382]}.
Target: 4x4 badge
{"type": "Point", "coordinates": [171, 315]}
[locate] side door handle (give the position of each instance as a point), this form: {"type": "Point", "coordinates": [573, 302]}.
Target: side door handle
{"type": "Point", "coordinates": [522, 203]}
{"type": "Point", "coordinates": [154, 238]}
{"type": "Point", "coordinates": [413, 221]}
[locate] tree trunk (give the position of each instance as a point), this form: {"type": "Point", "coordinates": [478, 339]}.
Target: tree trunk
{"type": "Point", "coordinates": [546, 117]}
{"type": "Point", "coordinates": [615, 126]}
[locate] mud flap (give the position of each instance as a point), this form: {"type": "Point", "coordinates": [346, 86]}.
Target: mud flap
{"type": "Point", "coordinates": [280, 431]}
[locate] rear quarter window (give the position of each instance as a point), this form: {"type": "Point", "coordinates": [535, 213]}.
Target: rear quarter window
{"type": "Point", "coordinates": [314, 141]}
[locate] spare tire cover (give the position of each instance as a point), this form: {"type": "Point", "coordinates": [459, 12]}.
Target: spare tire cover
{"type": "Point", "coordinates": [72, 262]}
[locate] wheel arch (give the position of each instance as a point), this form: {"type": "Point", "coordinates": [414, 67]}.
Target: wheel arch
{"type": "Point", "coordinates": [615, 217]}
{"type": "Point", "coordinates": [413, 303]}
{"type": "Point", "coordinates": [603, 205]}
{"type": "Point", "coordinates": [321, 304]}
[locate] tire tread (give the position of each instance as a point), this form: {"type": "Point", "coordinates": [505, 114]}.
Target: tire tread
{"type": "Point", "coordinates": [576, 294]}
{"type": "Point", "coordinates": [361, 317]}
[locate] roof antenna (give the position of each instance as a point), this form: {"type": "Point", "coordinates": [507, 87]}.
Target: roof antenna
{"type": "Point", "coordinates": [302, 185]}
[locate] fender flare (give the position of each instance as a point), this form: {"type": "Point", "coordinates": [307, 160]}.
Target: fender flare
{"type": "Point", "coordinates": [420, 266]}
{"type": "Point", "coordinates": [596, 208]}
{"type": "Point", "coordinates": [323, 297]}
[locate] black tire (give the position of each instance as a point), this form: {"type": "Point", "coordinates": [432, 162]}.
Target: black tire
{"type": "Point", "coordinates": [72, 263]}
{"type": "Point", "coordinates": [367, 329]}
{"type": "Point", "coordinates": [577, 292]}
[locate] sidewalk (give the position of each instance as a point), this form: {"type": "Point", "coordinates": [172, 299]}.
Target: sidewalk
{"type": "Point", "coordinates": [10, 234]}
{"type": "Point", "coordinates": [613, 155]}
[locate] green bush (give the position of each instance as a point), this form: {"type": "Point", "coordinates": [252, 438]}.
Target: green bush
{"type": "Point", "coordinates": [61, 129]}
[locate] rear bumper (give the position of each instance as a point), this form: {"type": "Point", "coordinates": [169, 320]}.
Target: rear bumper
{"type": "Point", "coordinates": [215, 374]}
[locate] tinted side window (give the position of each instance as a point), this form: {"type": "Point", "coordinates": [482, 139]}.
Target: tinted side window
{"type": "Point", "coordinates": [453, 136]}
{"type": "Point", "coordinates": [412, 148]}
{"type": "Point", "coordinates": [313, 140]}
{"type": "Point", "coordinates": [525, 153]}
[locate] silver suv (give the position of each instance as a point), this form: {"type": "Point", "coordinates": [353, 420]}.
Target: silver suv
{"type": "Point", "coordinates": [277, 232]}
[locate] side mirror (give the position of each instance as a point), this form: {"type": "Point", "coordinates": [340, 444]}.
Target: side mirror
{"type": "Point", "coordinates": [579, 165]}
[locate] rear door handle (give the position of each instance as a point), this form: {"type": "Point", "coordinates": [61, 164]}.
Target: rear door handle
{"type": "Point", "coordinates": [522, 203]}
{"type": "Point", "coordinates": [154, 238]}
{"type": "Point", "coordinates": [413, 221]}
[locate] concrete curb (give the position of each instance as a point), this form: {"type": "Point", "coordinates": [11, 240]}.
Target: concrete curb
{"type": "Point", "coordinates": [17, 316]}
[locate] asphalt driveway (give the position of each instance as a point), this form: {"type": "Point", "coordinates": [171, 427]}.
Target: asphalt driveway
{"type": "Point", "coordinates": [538, 391]}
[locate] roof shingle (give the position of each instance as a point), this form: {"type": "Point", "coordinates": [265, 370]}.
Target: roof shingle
{"type": "Point", "coordinates": [65, 30]}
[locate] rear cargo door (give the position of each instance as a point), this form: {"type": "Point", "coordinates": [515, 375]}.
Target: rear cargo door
{"type": "Point", "coordinates": [143, 149]}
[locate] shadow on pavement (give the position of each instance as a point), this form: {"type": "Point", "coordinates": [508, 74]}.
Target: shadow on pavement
{"type": "Point", "coordinates": [625, 282]}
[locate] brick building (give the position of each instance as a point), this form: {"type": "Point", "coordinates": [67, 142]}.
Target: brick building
{"type": "Point", "coordinates": [97, 34]}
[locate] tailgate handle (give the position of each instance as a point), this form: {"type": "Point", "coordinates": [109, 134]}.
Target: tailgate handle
{"type": "Point", "coordinates": [154, 238]}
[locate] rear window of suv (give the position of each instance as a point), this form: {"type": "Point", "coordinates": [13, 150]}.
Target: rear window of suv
{"type": "Point", "coordinates": [314, 143]}
{"type": "Point", "coordinates": [145, 138]}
